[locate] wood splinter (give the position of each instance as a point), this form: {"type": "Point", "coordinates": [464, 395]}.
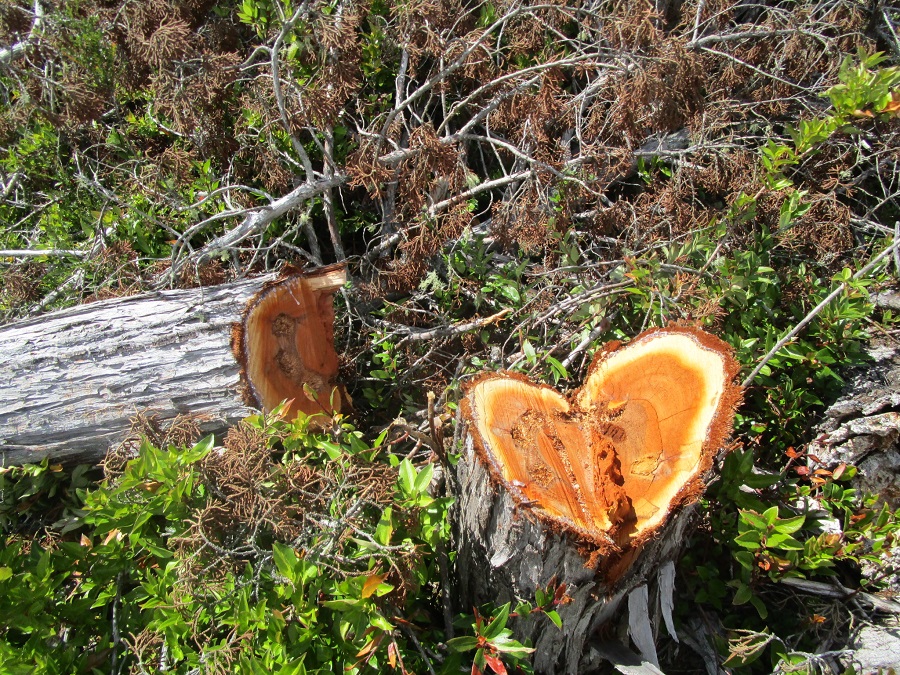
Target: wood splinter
{"type": "Point", "coordinates": [284, 344]}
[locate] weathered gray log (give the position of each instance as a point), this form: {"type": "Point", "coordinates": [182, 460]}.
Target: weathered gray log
{"type": "Point", "coordinates": [72, 380]}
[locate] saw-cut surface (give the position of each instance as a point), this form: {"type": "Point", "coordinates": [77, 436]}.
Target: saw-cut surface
{"type": "Point", "coordinates": [613, 460]}
{"type": "Point", "coordinates": [285, 344]}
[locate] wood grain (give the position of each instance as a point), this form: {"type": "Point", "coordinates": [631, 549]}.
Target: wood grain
{"type": "Point", "coordinates": [609, 462]}
{"type": "Point", "coordinates": [285, 344]}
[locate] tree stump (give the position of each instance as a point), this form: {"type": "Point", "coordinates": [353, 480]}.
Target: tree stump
{"type": "Point", "coordinates": [591, 490]}
{"type": "Point", "coordinates": [72, 380]}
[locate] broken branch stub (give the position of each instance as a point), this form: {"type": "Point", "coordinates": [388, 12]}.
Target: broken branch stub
{"type": "Point", "coordinates": [284, 344]}
{"type": "Point", "coordinates": [597, 477]}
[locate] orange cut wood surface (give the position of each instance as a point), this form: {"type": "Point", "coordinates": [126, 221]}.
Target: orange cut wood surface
{"type": "Point", "coordinates": [613, 460]}
{"type": "Point", "coordinates": [285, 344]}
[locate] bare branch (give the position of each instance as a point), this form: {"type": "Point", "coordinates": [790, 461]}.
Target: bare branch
{"type": "Point", "coordinates": [10, 54]}
{"type": "Point", "coordinates": [815, 311]}
{"type": "Point", "coordinates": [38, 253]}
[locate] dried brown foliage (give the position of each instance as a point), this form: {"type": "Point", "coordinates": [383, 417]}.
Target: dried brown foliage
{"type": "Point", "coordinates": [22, 284]}
{"type": "Point", "coordinates": [254, 496]}
{"type": "Point", "coordinates": [180, 431]}
{"type": "Point", "coordinates": [528, 123]}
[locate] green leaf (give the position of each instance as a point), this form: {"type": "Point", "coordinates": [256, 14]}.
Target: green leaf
{"type": "Point", "coordinates": [754, 520]}
{"type": "Point", "coordinates": [528, 350]}
{"type": "Point", "coordinates": [333, 450]}
{"type": "Point", "coordinates": [285, 560]}
{"type": "Point", "coordinates": [423, 480]}
{"type": "Point", "coordinates": [498, 624]}
{"type": "Point", "coordinates": [745, 559]}
{"type": "Point", "coordinates": [407, 476]}
{"type": "Point", "coordinates": [784, 542]}
{"type": "Point", "coordinates": [5, 573]}
{"type": "Point", "coordinates": [385, 527]}
{"type": "Point", "coordinates": [512, 647]}
{"type": "Point", "coordinates": [199, 451]}
{"type": "Point", "coordinates": [759, 481]}
{"type": "Point", "coordinates": [463, 644]}
{"type": "Point", "coordinates": [558, 367]}
{"type": "Point", "coordinates": [377, 620]}
{"type": "Point", "coordinates": [342, 605]}
{"type": "Point", "coordinates": [554, 617]}
{"type": "Point", "coordinates": [761, 608]}
{"type": "Point", "coordinates": [743, 595]}
{"type": "Point", "coordinates": [790, 525]}
{"type": "Point", "coordinates": [750, 539]}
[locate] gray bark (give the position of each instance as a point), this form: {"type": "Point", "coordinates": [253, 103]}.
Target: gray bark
{"type": "Point", "coordinates": [72, 380]}
{"type": "Point", "coordinates": [862, 427]}
{"type": "Point", "coordinates": [505, 554]}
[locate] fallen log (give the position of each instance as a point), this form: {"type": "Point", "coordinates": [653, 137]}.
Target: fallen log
{"type": "Point", "coordinates": [590, 492]}
{"type": "Point", "coordinates": [72, 380]}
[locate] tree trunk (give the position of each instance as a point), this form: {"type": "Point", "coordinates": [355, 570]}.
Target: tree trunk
{"type": "Point", "coordinates": [593, 493]}
{"type": "Point", "coordinates": [71, 381]}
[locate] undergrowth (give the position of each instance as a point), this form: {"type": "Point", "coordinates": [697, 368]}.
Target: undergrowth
{"type": "Point", "coordinates": [287, 550]}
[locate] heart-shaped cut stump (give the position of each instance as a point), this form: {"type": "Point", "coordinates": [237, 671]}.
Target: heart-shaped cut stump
{"type": "Point", "coordinates": [611, 462]}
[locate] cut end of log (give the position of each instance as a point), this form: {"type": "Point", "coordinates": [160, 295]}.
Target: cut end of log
{"type": "Point", "coordinates": [285, 344]}
{"type": "Point", "coordinates": [613, 461]}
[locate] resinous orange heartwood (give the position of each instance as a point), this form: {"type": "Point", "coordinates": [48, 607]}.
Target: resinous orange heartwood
{"type": "Point", "coordinates": [285, 344]}
{"type": "Point", "coordinates": [610, 462]}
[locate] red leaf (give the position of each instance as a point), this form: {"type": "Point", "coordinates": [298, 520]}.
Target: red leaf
{"type": "Point", "coordinates": [392, 654]}
{"type": "Point", "coordinates": [560, 593]}
{"type": "Point", "coordinates": [496, 664]}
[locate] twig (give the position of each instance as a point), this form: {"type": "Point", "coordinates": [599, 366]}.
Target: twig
{"type": "Point", "coordinates": [754, 68]}
{"type": "Point", "coordinates": [257, 220]}
{"type": "Point", "coordinates": [743, 35]}
{"type": "Point", "coordinates": [75, 281]}
{"type": "Point", "coordinates": [815, 312]}
{"type": "Point", "coordinates": [39, 253]}
{"type": "Point", "coordinates": [599, 329]}
{"type": "Point", "coordinates": [455, 65]}
{"type": "Point", "coordinates": [896, 251]}
{"type": "Point", "coordinates": [435, 425]}
{"type": "Point", "coordinates": [468, 194]}
{"type": "Point", "coordinates": [315, 251]}
{"type": "Point", "coordinates": [836, 590]}
{"type": "Point", "coordinates": [286, 28]}
{"type": "Point", "coordinates": [10, 185]}
{"type": "Point", "coordinates": [116, 637]}
{"type": "Point", "coordinates": [328, 197]}
{"type": "Point", "coordinates": [700, 7]}
{"type": "Point", "coordinates": [416, 334]}
{"type": "Point", "coordinates": [412, 636]}
{"type": "Point", "coordinates": [10, 54]}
